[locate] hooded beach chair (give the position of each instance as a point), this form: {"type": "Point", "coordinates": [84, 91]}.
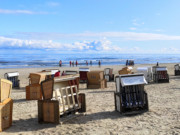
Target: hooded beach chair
{"type": "Point", "coordinates": [13, 77]}
{"type": "Point", "coordinates": [96, 80]}
{"type": "Point", "coordinates": [160, 74]}
{"type": "Point", "coordinates": [147, 71]}
{"type": "Point", "coordinates": [130, 96]}
{"type": "Point", "coordinates": [108, 74]}
{"type": "Point", "coordinates": [177, 69]}
{"type": "Point", "coordinates": [125, 70]}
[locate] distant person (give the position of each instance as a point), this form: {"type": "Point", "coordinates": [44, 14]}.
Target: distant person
{"type": "Point", "coordinates": [60, 63]}
{"type": "Point", "coordinates": [91, 62]}
{"type": "Point", "coordinates": [76, 63]}
{"type": "Point", "coordinates": [70, 63]}
{"type": "Point", "coordinates": [99, 63]}
{"type": "Point", "coordinates": [157, 64]}
{"type": "Point", "coordinates": [126, 62]}
{"type": "Point", "coordinates": [63, 74]}
{"type": "Point", "coordinates": [133, 62]}
{"type": "Point", "coordinates": [86, 62]}
{"type": "Point", "coordinates": [57, 74]}
{"type": "Point", "coordinates": [73, 63]}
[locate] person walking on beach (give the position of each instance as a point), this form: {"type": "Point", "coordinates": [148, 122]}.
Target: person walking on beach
{"type": "Point", "coordinates": [126, 62]}
{"type": "Point", "coordinates": [86, 63]}
{"type": "Point", "coordinates": [60, 63]}
{"type": "Point", "coordinates": [70, 63]}
{"type": "Point", "coordinates": [91, 62]}
{"type": "Point", "coordinates": [73, 63]}
{"type": "Point", "coordinates": [99, 63]}
{"type": "Point", "coordinates": [76, 63]}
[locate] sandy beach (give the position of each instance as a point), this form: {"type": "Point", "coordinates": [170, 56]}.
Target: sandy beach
{"type": "Point", "coordinates": [101, 118]}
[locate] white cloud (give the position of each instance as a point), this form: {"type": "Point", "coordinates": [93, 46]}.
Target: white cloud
{"type": "Point", "coordinates": [118, 36]}
{"type": "Point", "coordinates": [53, 4]}
{"type": "Point", "coordinates": [6, 11]}
{"type": "Point", "coordinates": [132, 28]}
{"type": "Point", "coordinates": [97, 45]}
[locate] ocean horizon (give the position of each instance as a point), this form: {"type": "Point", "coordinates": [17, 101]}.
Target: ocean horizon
{"type": "Point", "coordinates": [29, 60]}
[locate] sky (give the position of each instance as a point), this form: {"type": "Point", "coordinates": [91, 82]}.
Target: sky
{"type": "Point", "coordinates": [107, 26]}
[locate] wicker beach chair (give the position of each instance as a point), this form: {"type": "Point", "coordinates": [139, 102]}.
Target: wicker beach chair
{"type": "Point", "coordinates": [130, 96]}
{"type": "Point", "coordinates": [176, 69]}
{"type": "Point", "coordinates": [160, 74]}
{"type": "Point", "coordinates": [108, 74]}
{"type": "Point", "coordinates": [14, 78]}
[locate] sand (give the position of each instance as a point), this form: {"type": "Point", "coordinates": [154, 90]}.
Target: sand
{"type": "Point", "coordinates": [101, 118]}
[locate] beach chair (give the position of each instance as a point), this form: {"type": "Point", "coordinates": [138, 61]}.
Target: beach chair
{"type": "Point", "coordinates": [14, 78]}
{"type": "Point", "coordinates": [130, 97]}
{"type": "Point", "coordinates": [83, 74]}
{"type": "Point", "coordinates": [96, 80]}
{"type": "Point", "coordinates": [176, 69]}
{"type": "Point", "coordinates": [125, 70]}
{"type": "Point", "coordinates": [160, 74]}
{"type": "Point", "coordinates": [57, 103]}
{"type": "Point", "coordinates": [147, 71]}
{"type": "Point", "coordinates": [108, 74]}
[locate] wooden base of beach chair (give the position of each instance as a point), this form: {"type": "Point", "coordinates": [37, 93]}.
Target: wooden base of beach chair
{"type": "Point", "coordinates": [161, 78]}
{"type": "Point", "coordinates": [6, 108]}
{"type": "Point", "coordinates": [33, 92]}
{"type": "Point", "coordinates": [101, 85]}
{"type": "Point", "coordinates": [48, 111]}
{"type": "Point", "coordinates": [131, 103]}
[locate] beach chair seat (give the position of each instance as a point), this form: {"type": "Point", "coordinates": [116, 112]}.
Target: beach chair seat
{"type": "Point", "coordinates": [14, 78]}
{"type": "Point", "coordinates": [130, 96]}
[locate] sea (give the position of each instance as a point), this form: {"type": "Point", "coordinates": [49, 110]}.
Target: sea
{"type": "Point", "coordinates": [31, 60]}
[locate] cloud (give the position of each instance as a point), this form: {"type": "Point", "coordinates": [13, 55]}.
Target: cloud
{"type": "Point", "coordinates": [53, 4]}
{"type": "Point", "coordinates": [132, 28]}
{"type": "Point", "coordinates": [96, 45]}
{"type": "Point", "coordinates": [118, 36]}
{"type": "Point", "coordinates": [6, 11]}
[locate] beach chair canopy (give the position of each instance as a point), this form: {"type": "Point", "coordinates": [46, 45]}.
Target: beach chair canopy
{"type": "Point", "coordinates": [84, 69]}
{"type": "Point", "coordinates": [142, 69]}
{"type": "Point", "coordinates": [135, 79]}
{"type": "Point", "coordinates": [161, 69]}
{"type": "Point", "coordinates": [108, 71]}
{"type": "Point", "coordinates": [11, 74]}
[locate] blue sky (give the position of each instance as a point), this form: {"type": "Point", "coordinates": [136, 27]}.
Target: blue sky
{"type": "Point", "coordinates": [119, 26]}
